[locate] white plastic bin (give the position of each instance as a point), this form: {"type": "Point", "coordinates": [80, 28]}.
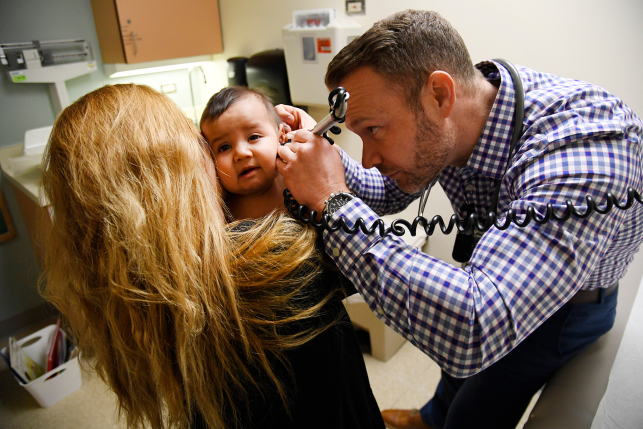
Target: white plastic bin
{"type": "Point", "coordinates": [46, 390]}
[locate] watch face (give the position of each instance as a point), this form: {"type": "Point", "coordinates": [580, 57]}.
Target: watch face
{"type": "Point", "coordinates": [336, 201]}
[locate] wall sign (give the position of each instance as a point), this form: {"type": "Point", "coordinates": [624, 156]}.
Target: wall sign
{"type": "Point", "coordinates": [323, 46]}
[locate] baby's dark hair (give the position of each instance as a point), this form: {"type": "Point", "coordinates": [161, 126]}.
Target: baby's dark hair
{"type": "Point", "coordinates": [222, 100]}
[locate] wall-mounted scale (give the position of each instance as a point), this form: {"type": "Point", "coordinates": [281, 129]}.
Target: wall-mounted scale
{"type": "Point", "coordinates": [52, 62]}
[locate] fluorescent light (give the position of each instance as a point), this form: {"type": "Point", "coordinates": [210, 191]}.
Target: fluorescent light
{"type": "Point", "coordinates": [120, 70]}
{"type": "Point", "coordinates": [153, 70]}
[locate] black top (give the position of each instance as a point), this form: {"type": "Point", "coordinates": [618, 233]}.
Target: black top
{"type": "Point", "coordinates": [328, 385]}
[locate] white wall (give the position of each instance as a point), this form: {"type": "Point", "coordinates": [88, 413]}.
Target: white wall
{"type": "Point", "coordinates": [592, 40]}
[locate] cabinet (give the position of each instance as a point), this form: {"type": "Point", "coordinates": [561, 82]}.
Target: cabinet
{"type": "Point", "coordinates": [135, 31]}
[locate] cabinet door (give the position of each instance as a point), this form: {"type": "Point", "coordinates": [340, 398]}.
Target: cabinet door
{"type": "Point", "coordinates": [162, 29]}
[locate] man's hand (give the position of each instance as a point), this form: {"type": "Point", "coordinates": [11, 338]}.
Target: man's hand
{"type": "Point", "coordinates": [295, 118]}
{"type": "Point", "coordinates": [312, 168]}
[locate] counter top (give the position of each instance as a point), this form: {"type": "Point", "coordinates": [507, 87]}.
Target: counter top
{"type": "Point", "coordinates": [28, 178]}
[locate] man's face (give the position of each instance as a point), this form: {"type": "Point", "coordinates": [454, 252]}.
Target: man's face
{"type": "Point", "coordinates": [244, 140]}
{"type": "Point", "coordinates": [401, 142]}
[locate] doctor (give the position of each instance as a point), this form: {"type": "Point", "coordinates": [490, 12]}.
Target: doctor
{"type": "Point", "coordinates": [531, 297]}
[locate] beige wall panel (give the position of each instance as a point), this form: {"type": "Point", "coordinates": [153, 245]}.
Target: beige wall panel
{"type": "Point", "coordinates": [165, 29]}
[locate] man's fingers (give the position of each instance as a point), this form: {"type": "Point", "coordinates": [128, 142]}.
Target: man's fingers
{"type": "Point", "coordinates": [280, 166]}
{"type": "Point", "coordinates": [285, 115]}
{"type": "Point", "coordinates": [285, 153]}
{"type": "Point", "coordinates": [294, 117]}
{"type": "Point", "coordinates": [292, 146]}
{"type": "Point", "coordinates": [302, 136]}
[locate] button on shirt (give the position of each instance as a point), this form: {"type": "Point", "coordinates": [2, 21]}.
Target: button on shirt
{"type": "Point", "coordinates": [577, 140]}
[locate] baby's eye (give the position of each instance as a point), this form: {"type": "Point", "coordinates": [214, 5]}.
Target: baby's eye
{"type": "Point", "coordinates": [254, 137]}
{"type": "Point", "coordinates": [373, 130]}
{"type": "Point", "coordinates": [223, 148]}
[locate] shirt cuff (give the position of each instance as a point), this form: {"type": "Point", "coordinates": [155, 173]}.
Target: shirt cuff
{"type": "Point", "coordinates": [346, 247]}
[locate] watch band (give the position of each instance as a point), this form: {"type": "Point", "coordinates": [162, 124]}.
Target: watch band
{"type": "Point", "coordinates": [335, 201]}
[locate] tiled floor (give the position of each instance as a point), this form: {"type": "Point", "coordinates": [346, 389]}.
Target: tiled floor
{"type": "Point", "coordinates": [92, 407]}
{"type": "Point", "coordinates": [407, 380]}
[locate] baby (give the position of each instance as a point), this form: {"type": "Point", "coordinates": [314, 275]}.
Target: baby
{"type": "Point", "coordinates": [244, 132]}
{"type": "Point", "coordinates": [326, 372]}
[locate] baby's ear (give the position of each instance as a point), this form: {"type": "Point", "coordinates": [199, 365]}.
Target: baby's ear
{"type": "Point", "coordinates": [281, 131]}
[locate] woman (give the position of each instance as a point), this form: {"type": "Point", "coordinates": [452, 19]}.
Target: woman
{"type": "Point", "coordinates": [192, 322]}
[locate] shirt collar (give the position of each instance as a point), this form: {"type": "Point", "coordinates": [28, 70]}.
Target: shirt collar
{"type": "Point", "coordinates": [490, 154]}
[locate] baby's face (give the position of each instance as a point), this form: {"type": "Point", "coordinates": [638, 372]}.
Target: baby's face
{"type": "Point", "coordinates": [244, 140]}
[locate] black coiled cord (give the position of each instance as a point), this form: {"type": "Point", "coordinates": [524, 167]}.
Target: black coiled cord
{"type": "Point", "coordinates": [471, 223]}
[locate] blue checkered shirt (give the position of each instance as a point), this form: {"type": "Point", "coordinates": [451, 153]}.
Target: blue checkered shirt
{"type": "Point", "coordinates": [578, 140]}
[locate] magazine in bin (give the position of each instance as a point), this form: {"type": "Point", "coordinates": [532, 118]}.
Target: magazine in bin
{"type": "Point", "coordinates": [57, 348]}
{"type": "Point", "coordinates": [54, 385]}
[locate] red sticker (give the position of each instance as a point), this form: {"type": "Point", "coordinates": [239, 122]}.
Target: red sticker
{"type": "Point", "coordinates": [323, 46]}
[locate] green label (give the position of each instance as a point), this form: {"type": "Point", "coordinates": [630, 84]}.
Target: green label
{"type": "Point", "coordinates": [19, 78]}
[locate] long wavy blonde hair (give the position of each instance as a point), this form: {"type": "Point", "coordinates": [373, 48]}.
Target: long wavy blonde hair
{"type": "Point", "coordinates": [181, 311]}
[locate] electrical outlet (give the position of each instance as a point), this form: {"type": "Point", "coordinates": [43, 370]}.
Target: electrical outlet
{"type": "Point", "coordinates": [168, 88]}
{"type": "Point", "coordinates": [355, 7]}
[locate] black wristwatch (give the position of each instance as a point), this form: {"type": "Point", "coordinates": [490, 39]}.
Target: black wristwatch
{"type": "Point", "coordinates": [335, 201]}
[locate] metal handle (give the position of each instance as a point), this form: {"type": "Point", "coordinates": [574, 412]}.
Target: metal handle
{"type": "Point", "coordinates": [424, 197]}
{"type": "Point", "coordinates": [135, 45]}
{"type": "Point", "coordinates": [324, 125]}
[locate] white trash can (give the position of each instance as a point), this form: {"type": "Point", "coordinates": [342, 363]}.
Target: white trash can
{"type": "Point", "coordinates": [45, 389]}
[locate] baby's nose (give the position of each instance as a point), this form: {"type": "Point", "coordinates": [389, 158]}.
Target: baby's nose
{"type": "Point", "coordinates": [243, 151]}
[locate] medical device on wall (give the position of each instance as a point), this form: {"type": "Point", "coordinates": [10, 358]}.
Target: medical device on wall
{"type": "Point", "coordinates": [310, 42]}
{"type": "Point", "coordinates": [470, 228]}
{"type": "Point", "coordinates": [52, 62]}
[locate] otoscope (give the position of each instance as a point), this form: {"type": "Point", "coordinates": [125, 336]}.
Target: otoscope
{"type": "Point", "coordinates": [337, 102]}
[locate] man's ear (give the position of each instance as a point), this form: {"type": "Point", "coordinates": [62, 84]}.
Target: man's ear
{"type": "Point", "coordinates": [438, 94]}
{"type": "Point", "coordinates": [281, 131]}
